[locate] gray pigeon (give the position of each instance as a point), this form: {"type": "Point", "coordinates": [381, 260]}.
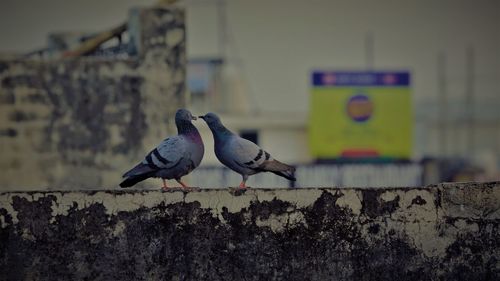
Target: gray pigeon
{"type": "Point", "coordinates": [174, 158]}
{"type": "Point", "coordinates": [241, 155]}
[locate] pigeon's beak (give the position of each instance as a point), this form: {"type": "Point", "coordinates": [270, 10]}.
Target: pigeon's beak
{"type": "Point", "coordinates": [202, 117]}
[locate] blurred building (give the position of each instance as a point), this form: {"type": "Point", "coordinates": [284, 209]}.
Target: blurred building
{"type": "Point", "coordinates": [252, 62]}
{"type": "Point", "coordinates": [267, 51]}
{"type": "Point", "coordinates": [78, 117]}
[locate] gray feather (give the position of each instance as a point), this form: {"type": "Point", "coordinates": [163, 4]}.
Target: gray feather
{"type": "Point", "coordinates": [247, 158]}
{"type": "Point", "coordinates": [174, 157]}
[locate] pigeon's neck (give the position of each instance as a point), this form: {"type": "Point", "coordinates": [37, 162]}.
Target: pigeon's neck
{"type": "Point", "coordinates": [220, 133]}
{"type": "Point", "coordinates": [187, 128]}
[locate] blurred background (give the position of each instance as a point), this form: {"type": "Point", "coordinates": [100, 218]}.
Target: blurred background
{"type": "Point", "coordinates": [354, 93]}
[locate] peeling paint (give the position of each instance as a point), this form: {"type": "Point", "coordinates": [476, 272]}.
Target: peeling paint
{"type": "Point", "coordinates": [277, 223]}
{"type": "Point", "coordinates": [296, 234]}
{"type": "Point", "coordinates": [388, 196]}
{"type": "Point", "coordinates": [350, 199]}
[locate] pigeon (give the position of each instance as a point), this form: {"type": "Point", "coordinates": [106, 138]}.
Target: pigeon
{"type": "Point", "coordinates": [174, 158]}
{"type": "Point", "coordinates": [241, 155]}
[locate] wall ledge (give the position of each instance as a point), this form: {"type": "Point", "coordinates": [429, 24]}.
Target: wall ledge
{"type": "Point", "coordinates": [448, 231]}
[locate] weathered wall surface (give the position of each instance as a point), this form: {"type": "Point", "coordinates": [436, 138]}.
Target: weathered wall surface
{"type": "Point", "coordinates": [445, 232]}
{"type": "Point", "coordinates": [82, 122]}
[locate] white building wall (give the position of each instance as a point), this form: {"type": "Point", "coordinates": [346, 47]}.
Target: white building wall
{"type": "Point", "coordinates": [275, 45]}
{"type": "Point", "coordinates": [289, 145]}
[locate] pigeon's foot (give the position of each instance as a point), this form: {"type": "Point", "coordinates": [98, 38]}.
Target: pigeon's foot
{"type": "Point", "coordinates": [178, 188]}
{"type": "Point", "coordinates": [185, 187]}
{"type": "Point", "coordinates": [237, 191]}
{"type": "Point", "coordinates": [242, 185]}
{"type": "Point", "coordinates": [165, 187]}
{"type": "Point", "coordinates": [190, 189]}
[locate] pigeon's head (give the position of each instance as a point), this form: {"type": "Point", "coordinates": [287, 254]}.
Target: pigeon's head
{"type": "Point", "coordinates": [211, 119]}
{"type": "Point", "coordinates": [184, 115]}
{"type": "Point", "coordinates": [213, 122]}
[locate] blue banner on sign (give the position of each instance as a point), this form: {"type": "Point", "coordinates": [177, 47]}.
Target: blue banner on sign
{"type": "Point", "coordinates": [336, 78]}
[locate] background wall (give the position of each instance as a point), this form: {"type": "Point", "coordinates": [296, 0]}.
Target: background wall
{"type": "Point", "coordinates": [273, 46]}
{"type": "Point", "coordinates": [270, 47]}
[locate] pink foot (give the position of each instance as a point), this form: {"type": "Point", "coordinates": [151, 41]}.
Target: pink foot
{"type": "Point", "coordinates": [184, 186]}
{"type": "Point", "coordinates": [165, 187]}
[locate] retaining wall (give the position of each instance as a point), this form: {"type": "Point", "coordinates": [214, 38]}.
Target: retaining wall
{"type": "Point", "coordinates": [443, 232]}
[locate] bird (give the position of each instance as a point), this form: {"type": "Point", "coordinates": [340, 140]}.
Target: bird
{"type": "Point", "coordinates": [242, 155]}
{"type": "Point", "coordinates": [173, 158]}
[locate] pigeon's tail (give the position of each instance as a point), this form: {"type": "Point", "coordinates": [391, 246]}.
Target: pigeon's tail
{"type": "Point", "coordinates": [128, 182]}
{"type": "Point", "coordinates": [139, 169]}
{"type": "Point", "coordinates": [286, 174]}
{"type": "Point", "coordinates": [137, 174]}
{"type": "Point", "coordinates": [280, 169]}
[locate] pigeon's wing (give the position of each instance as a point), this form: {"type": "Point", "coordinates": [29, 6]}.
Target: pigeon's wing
{"type": "Point", "coordinates": [166, 155]}
{"type": "Point", "coordinates": [249, 155]}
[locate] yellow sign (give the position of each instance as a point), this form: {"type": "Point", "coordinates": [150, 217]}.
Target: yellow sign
{"type": "Point", "coordinates": [361, 114]}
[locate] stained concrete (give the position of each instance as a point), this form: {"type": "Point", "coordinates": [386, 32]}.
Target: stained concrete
{"type": "Point", "coordinates": [83, 121]}
{"type": "Point", "coordinates": [443, 232]}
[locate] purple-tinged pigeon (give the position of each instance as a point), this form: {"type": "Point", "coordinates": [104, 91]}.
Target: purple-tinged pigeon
{"type": "Point", "coordinates": [174, 158]}
{"type": "Point", "coordinates": [241, 155]}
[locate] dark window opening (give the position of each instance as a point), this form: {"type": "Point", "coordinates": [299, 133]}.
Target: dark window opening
{"type": "Point", "coordinates": [251, 135]}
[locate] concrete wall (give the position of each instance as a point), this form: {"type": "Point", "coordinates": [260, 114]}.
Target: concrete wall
{"type": "Point", "coordinates": [82, 122]}
{"type": "Point", "coordinates": [444, 232]}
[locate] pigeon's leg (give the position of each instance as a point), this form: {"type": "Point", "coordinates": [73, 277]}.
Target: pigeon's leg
{"type": "Point", "coordinates": [243, 182]}
{"type": "Point", "coordinates": [184, 186]}
{"type": "Point", "coordinates": [165, 187]}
